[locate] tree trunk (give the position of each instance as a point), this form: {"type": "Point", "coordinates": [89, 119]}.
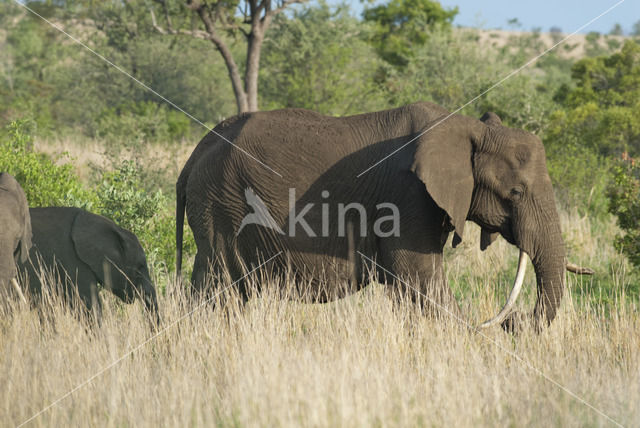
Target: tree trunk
{"type": "Point", "coordinates": [236, 81]}
{"type": "Point", "coordinates": [254, 48]}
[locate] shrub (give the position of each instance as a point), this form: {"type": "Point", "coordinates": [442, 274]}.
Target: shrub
{"type": "Point", "coordinates": [143, 121]}
{"type": "Point", "coordinates": [602, 111]}
{"type": "Point", "coordinates": [580, 178]}
{"type": "Point", "coordinates": [122, 197]}
{"type": "Point", "coordinates": [45, 181]}
{"type": "Point", "coordinates": [624, 194]}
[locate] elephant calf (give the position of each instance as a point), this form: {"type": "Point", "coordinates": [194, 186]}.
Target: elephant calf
{"type": "Point", "coordinates": [83, 250]}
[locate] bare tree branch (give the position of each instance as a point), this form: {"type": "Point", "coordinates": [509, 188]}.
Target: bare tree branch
{"type": "Point", "coordinates": [193, 33]}
{"type": "Point", "coordinates": [284, 5]}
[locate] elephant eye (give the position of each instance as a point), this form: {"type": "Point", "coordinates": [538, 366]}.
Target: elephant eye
{"type": "Point", "coordinates": [516, 194]}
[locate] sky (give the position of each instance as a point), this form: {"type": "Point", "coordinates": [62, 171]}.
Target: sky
{"type": "Point", "coordinates": [568, 15]}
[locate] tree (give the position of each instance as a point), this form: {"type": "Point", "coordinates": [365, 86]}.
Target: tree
{"type": "Point", "coordinates": [617, 30]}
{"type": "Point", "coordinates": [402, 26]}
{"type": "Point", "coordinates": [514, 23]}
{"type": "Point", "coordinates": [319, 58]}
{"type": "Point", "coordinates": [212, 20]}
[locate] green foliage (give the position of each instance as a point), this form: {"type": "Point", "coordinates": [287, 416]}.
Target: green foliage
{"type": "Point", "coordinates": [45, 181]}
{"type": "Point", "coordinates": [62, 87]}
{"type": "Point", "coordinates": [150, 216]}
{"type": "Point", "coordinates": [602, 112]}
{"type": "Point", "coordinates": [599, 119]}
{"type": "Point", "coordinates": [580, 178]}
{"type": "Point", "coordinates": [624, 194]}
{"type": "Point", "coordinates": [143, 121]}
{"type": "Point", "coordinates": [450, 70]}
{"type": "Point", "coordinates": [401, 26]}
{"type": "Point", "coordinates": [319, 59]}
{"type": "Point", "coordinates": [123, 199]}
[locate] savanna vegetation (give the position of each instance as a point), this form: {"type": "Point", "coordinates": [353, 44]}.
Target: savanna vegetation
{"type": "Point", "coordinates": [77, 132]}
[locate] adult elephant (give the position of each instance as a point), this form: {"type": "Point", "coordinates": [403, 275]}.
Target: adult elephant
{"type": "Point", "coordinates": [80, 250]}
{"type": "Point", "coordinates": [460, 169]}
{"type": "Point", "coordinates": [15, 234]}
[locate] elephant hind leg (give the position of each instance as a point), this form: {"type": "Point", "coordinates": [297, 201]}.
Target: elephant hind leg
{"type": "Point", "coordinates": [214, 282]}
{"type": "Point", "coordinates": [200, 277]}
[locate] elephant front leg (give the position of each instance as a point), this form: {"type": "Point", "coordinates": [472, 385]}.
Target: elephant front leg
{"type": "Point", "coordinates": [92, 305]}
{"type": "Point", "coordinates": [413, 271]}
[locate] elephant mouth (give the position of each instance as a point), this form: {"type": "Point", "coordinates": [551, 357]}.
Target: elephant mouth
{"type": "Point", "coordinates": [509, 234]}
{"type": "Point", "coordinates": [505, 230]}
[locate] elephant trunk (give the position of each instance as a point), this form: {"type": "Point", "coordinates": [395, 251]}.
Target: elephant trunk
{"type": "Point", "coordinates": [150, 301]}
{"type": "Point", "coordinates": [550, 268]}
{"type": "Point", "coordinates": [545, 247]}
{"type": "Point", "coordinates": [548, 256]}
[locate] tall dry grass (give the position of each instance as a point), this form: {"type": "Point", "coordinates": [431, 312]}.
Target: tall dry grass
{"type": "Point", "coordinates": [354, 362]}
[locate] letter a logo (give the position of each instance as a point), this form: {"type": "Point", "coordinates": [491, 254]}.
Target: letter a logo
{"type": "Point", "coordinates": [260, 214]}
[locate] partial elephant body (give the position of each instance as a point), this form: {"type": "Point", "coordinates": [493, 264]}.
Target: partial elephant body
{"type": "Point", "coordinates": [15, 234]}
{"type": "Point", "coordinates": [77, 250]}
{"type": "Point", "coordinates": [461, 169]}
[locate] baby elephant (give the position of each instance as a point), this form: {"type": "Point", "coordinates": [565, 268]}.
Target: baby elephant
{"type": "Point", "coordinates": [82, 250]}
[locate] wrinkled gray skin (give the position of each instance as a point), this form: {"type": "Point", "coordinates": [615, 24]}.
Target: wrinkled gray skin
{"type": "Point", "coordinates": [15, 230]}
{"type": "Point", "coordinates": [463, 169]}
{"type": "Point", "coordinates": [82, 245]}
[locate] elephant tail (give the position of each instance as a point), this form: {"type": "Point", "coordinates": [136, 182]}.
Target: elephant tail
{"type": "Point", "coordinates": [180, 207]}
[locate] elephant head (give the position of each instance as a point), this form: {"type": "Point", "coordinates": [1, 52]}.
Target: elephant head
{"type": "Point", "coordinates": [15, 236]}
{"type": "Point", "coordinates": [116, 258]}
{"type": "Point", "coordinates": [496, 176]}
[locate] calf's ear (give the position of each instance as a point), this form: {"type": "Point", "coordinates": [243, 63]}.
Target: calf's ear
{"type": "Point", "coordinates": [98, 240]}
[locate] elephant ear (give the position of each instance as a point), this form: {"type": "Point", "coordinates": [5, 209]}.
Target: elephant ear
{"type": "Point", "coordinates": [487, 238]}
{"type": "Point", "coordinates": [27, 234]}
{"type": "Point", "coordinates": [442, 161]}
{"type": "Point", "coordinates": [97, 239]}
{"type": "Point", "coordinates": [491, 119]}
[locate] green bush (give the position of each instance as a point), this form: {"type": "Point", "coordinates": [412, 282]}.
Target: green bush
{"type": "Point", "coordinates": [319, 59]}
{"type": "Point", "coordinates": [602, 111]}
{"type": "Point", "coordinates": [132, 123]}
{"type": "Point", "coordinates": [46, 181]}
{"type": "Point", "coordinates": [122, 197]}
{"type": "Point", "coordinates": [599, 119]}
{"type": "Point", "coordinates": [624, 194]}
{"type": "Point", "coordinates": [580, 178]}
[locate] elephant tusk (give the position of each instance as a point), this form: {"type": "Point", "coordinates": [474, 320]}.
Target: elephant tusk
{"type": "Point", "coordinates": [579, 270]}
{"type": "Point", "coordinates": [517, 286]}
{"type": "Point", "coordinates": [18, 290]}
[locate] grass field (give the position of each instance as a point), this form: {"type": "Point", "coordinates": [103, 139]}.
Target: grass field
{"type": "Point", "coordinates": [355, 362]}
